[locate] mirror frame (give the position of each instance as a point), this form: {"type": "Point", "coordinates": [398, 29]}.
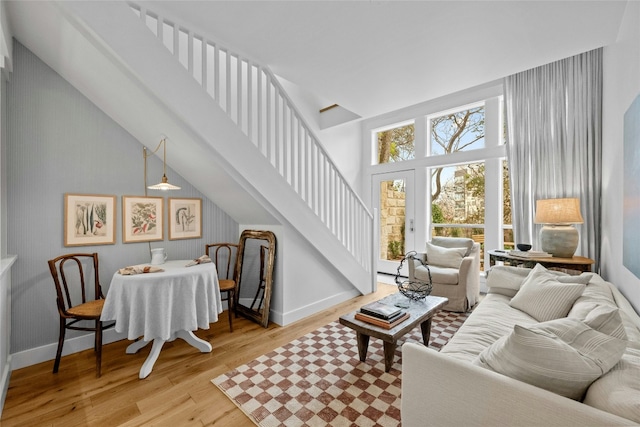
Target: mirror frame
{"type": "Point", "coordinates": [261, 318]}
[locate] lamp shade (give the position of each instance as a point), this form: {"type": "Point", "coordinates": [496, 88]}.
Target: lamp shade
{"type": "Point", "coordinates": [164, 185]}
{"type": "Point", "coordinates": [558, 211]}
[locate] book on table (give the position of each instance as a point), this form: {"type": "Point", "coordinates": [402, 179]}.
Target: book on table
{"type": "Point", "coordinates": [386, 324]}
{"type": "Point", "coordinates": [530, 254]}
{"type": "Point", "coordinates": [380, 310]}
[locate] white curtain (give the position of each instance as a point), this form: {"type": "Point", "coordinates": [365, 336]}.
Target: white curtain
{"type": "Point", "coordinates": [554, 143]}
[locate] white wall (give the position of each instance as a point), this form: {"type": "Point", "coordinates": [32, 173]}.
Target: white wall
{"type": "Point", "coordinates": [341, 142]}
{"type": "Point", "coordinates": [621, 86]}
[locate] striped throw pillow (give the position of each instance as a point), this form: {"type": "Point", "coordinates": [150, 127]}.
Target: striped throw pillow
{"type": "Point", "coordinates": [543, 297]}
{"type": "Point", "coordinates": [563, 356]}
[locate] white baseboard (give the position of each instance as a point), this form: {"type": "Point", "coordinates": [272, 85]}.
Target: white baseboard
{"type": "Point", "coordinates": [4, 383]}
{"type": "Point", "coordinates": [284, 319]}
{"type": "Point", "coordinates": [47, 352]}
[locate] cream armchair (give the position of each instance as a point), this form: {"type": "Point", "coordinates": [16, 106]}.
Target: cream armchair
{"type": "Point", "coordinates": [454, 264]}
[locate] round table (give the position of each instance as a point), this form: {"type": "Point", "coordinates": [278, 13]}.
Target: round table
{"type": "Point", "coordinates": [163, 306]}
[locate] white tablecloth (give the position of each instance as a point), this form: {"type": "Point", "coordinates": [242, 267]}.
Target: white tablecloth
{"type": "Point", "coordinates": [158, 305]}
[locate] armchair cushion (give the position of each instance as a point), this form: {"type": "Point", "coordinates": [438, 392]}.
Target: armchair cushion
{"type": "Point", "coordinates": [445, 257]}
{"type": "Point", "coordinates": [442, 275]}
{"type": "Point", "coordinates": [454, 242]}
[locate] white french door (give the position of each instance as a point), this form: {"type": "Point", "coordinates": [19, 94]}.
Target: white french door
{"type": "Point", "coordinates": [393, 196]}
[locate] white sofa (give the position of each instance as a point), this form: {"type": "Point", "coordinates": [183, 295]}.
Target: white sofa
{"type": "Point", "coordinates": [449, 388]}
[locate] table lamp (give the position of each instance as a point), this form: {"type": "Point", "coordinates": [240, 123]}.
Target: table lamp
{"type": "Point", "coordinates": [558, 235]}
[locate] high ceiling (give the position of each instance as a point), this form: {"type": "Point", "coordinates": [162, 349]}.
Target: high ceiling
{"type": "Point", "coordinates": [373, 57]}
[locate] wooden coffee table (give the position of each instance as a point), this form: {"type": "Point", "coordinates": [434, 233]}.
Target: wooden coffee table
{"type": "Point", "coordinates": [420, 313]}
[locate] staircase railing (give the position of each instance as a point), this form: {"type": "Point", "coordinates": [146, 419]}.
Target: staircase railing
{"type": "Point", "coordinates": [253, 98]}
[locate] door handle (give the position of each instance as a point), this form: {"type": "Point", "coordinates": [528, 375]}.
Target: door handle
{"type": "Point", "coordinates": [411, 225]}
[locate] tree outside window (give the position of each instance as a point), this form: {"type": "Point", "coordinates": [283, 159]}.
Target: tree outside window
{"type": "Point", "coordinates": [396, 145]}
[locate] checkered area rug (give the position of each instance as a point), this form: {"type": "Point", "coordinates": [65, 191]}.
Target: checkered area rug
{"type": "Point", "coordinates": [318, 379]}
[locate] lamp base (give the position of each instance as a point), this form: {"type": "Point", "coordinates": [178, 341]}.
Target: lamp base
{"type": "Point", "coordinates": [559, 240]}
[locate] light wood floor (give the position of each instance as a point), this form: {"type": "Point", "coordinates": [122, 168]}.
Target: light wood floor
{"type": "Point", "coordinates": [177, 393]}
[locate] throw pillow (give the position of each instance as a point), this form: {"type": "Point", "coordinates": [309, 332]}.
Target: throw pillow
{"type": "Point", "coordinates": [543, 297]}
{"type": "Point", "coordinates": [445, 257]}
{"type": "Point", "coordinates": [608, 320]}
{"type": "Point", "coordinates": [563, 356]}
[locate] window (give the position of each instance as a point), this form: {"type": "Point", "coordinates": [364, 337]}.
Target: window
{"type": "Point", "coordinates": [457, 197]}
{"type": "Point", "coordinates": [457, 131]}
{"type": "Point", "coordinates": [396, 144]}
{"type": "Point", "coordinates": [507, 224]}
{"type": "Point", "coordinates": [457, 153]}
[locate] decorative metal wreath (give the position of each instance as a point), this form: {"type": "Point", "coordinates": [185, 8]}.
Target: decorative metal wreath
{"type": "Point", "coordinates": [413, 289]}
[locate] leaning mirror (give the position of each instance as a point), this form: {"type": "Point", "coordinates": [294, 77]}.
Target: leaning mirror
{"type": "Point", "coordinates": [254, 272]}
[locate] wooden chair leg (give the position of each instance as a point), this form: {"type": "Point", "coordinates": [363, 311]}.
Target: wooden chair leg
{"type": "Point", "coordinates": [56, 364]}
{"type": "Point", "coordinates": [98, 348]}
{"type": "Point", "coordinates": [230, 295]}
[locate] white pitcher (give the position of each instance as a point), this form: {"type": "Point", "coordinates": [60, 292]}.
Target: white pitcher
{"type": "Point", "coordinates": [158, 256]}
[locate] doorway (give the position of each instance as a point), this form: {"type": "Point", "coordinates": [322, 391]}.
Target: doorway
{"type": "Point", "coordinates": [393, 196]}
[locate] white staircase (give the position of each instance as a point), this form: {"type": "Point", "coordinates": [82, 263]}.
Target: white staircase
{"type": "Point", "coordinates": [233, 114]}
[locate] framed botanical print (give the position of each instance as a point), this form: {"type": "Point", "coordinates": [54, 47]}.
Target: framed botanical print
{"type": "Point", "coordinates": [185, 218]}
{"type": "Point", "coordinates": [142, 219]}
{"type": "Point", "coordinates": [89, 219]}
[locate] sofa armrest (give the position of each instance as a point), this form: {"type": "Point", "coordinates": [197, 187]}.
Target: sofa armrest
{"type": "Point", "coordinates": [439, 390]}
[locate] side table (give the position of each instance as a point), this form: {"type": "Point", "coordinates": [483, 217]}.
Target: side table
{"type": "Point", "coordinates": [574, 265]}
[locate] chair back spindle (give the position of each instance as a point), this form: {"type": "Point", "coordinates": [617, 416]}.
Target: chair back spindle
{"type": "Point", "coordinates": [224, 255]}
{"type": "Point", "coordinates": [74, 300]}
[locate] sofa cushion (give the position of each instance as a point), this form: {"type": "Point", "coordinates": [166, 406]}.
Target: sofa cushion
{"type": "Point", "coordinates": [488, 322]}
{"type": "Point", "coordinates": [563, 355]}
{"type": "Point", "coordinates": [618, 391]}
{"type": "Point", "coordinates": [595, 295]}
{"type": "Point", "coordinates": [445, 257]}
{"type": "Point", "coordinates": [506, 280]}
{"type": "Point", "coordinates": [544, 297]}
{"type": "Point", "coordinates": [598, 293]}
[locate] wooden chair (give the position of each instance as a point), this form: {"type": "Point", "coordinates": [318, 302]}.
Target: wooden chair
{"type": "Point", "coordinates": [75, 304]}
{"type": "Point", "coordinates": [224, 255]}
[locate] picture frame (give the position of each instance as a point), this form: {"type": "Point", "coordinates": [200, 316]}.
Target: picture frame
{"type": "Point", "coordinates": [631, 188]}
{"type": "Point", "coordinates": [185, 218]}
{"type": "Point", "coordinates": [89, 219]}
{"type": "Point", "coordinates": [142, 219]}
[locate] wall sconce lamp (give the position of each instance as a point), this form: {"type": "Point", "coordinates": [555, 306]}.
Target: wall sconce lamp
{"type": "Point", "coordinates": [558, 235]}
{"type": "Point", "coordinates": [164, 184]}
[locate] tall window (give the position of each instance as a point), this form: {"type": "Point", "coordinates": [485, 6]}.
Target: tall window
{"type": "Point", "coordinates": [457, 200]}
{"type": "Point", "coordinates": [507, 223]}
{"type": "Point", "coordinates": [457, 192]}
